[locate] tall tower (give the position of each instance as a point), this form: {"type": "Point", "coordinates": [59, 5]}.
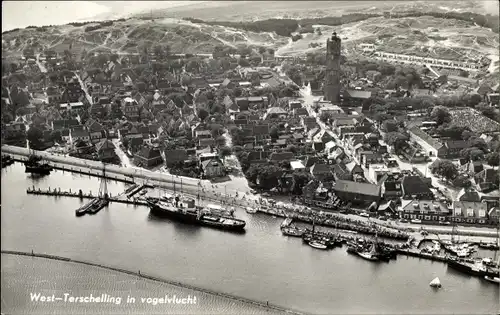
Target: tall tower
{"type": "Point", "coordinates": [331, 88]}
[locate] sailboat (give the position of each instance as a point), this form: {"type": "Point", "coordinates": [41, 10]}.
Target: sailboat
{"type": "Point", "coordinates": [435, 283]}
{"type": "Point", "coordinates": [102, 199]}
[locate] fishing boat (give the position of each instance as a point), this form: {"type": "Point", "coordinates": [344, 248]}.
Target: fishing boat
{"type": "Point", "coordinates": [317, 245]}
{"type": "Point", "coordinates": [100, 201]}
{"type": "Point", "coordinates": [251, 210]}
{"type": "Point", "coordinates": [435, 283]}
{"type": "Point", "coordinates": [292, 231]}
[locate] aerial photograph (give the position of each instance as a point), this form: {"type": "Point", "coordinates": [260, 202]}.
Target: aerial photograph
{"type": "Point", "coordinates": [250, 157]}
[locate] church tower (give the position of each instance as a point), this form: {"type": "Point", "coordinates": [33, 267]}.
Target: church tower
{"type": "Point", "coordinates": [331, 88]}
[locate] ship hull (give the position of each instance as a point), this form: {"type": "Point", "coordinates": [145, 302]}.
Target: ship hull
{"type": "Point", "coordinates": [191, 218]}
{"type": "Point", "coordinates": [468, 269]}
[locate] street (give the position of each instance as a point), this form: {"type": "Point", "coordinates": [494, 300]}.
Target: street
{"type": "Point", "coordinates": [40, 65]}
{"type": "Point", "coordinates": [84, 88]}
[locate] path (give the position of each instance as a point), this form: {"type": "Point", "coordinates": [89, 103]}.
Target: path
{"type": "Point", "coordinates": [40, 65]}
{"type": "Point", "coordinates": [84, 88]}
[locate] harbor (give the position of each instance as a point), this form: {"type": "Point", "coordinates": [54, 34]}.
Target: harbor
{"type": "Point", "coordinates": [144, 240]}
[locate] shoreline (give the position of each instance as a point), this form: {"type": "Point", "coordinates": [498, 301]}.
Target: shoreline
{"type": "Point", "coordinates": [156, 279]}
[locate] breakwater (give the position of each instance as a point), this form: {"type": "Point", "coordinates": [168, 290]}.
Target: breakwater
{"type": "Point", "coordinates": [157, 279]}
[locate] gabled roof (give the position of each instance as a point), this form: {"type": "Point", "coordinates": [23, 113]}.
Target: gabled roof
{"type": "Point", "coordinates": [320, 168]}
{"type": "Point", "coordinates": [281, 156]}
{"type": "Point", "coordinates": [104, 144]}
{"type": "Point", "coordinates": [414, 185]}
{"type": "Point", "coordinates": [358, 188]}
{"type": "Point", "coordinates": [359, 94]}
{"type": "Point", "coordinates": [149, 153]}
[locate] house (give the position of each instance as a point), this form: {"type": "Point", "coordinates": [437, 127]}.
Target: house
{"type": "Point", "coordinates": [321, 172]}
{"type": "Point", "coordinates": [106, 151]}
{"type": "Point", "coordinates": [96, 131]}
{"type": "Point", "coordinates": [340, 172]}
{"type": "Point", "coordinates": [309, 122]}
{"type": "Point", "coordinates": [494, 215]}
{"type": "Point", "coordinates": [473, 167]}
{"type": "Point", "coordinates": [388, 209]}
{"type": "Point", "coordinates": [297, 165]}
{"type": "Point", "coordinates": [425, 210]}
{"type": "Point", "coordinates": [488, 175]}
{"type": "Point", "coordinates": [276, 112]}
{"type": "Point", "coordinates": [453, 148]}
{"type": "Point", "coordinates": [79, 134]}
{"type": "Point", "coordinates": [213, 168]}
{"type": "Point", "coordinates": [61, 124]}
{"type": "Point", "coordinates": [413, 187]}
{"type": "Point", "coordinates": [148, 156]}
{"type": "Point", "coordinates": [469, 212]}
{"type": "Point", "coordinates": [175, 156]}
{"type": "Point", "coordinates": [391, 188]}
{"type": "Point", "coordinates": [281, 156]}
{"type": "Point", "coordinates": [65, 135]}
{"type": "Point", "coordinates": [360, 193]}
{"type": "Point", "coordinates": [130, 108]}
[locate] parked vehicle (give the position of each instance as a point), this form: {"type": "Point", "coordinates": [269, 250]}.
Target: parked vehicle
{"type": "Point", "coordinates": [416, 221]}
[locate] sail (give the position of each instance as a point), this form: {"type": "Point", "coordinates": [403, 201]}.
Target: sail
{"type": "Point", "coordinates": [435, 282]}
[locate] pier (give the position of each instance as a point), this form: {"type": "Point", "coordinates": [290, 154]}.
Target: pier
{"type": "Point", "coordinates": [417, 253]}
{"type": "Point", "coordinates": [81, 195]}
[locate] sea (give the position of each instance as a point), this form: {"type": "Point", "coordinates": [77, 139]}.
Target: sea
{"type": "Point", "coordinates": [260, 265]}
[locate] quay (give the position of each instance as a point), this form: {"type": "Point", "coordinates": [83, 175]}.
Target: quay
{"type": "Point", "coordinates": [83, 171]}
{"type": "Point", "coordinates": [418, 254]}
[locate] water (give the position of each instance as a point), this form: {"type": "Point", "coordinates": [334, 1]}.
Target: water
{"type": "Point", "coordinates": [260, 265]}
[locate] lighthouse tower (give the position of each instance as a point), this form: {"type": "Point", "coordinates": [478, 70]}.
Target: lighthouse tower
{"type": "Point", "coordinates": [331, 88]}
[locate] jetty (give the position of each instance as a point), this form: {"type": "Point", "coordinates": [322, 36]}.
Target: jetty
{"type": "Point", "coordinates": [60, 193]}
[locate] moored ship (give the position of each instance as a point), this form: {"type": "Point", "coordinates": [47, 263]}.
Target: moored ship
{"type": "Point", "coordinates": [186, 211]}
{"type": "Point", "coordinates": [472, 267]}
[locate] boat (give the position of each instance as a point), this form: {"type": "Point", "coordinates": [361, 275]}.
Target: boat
{"type": "Point", "coordinates": [83, 209]}
{"type": "Point", "coordinates": [492, 279]}
{"type": "Point", "coordinates": [185, 211]}
{"type": "Point", "coordinates": [292, 231]}
{"type": "Point", "coordinates": [97, 203]}
{"type": "Point", "coordinates": [34, 165]}
{"type": "Point", "coordinates": [251, 210]}
{"type": "Point", "coordinates": [435, 283]}
{"type": "Point", "coordinates": [471, 267]}
{"type": "Point", "coordinates": [369, 254]}
{"type": "Point", "coordinates": [491, 246]}
{"type": "Point", "coordinates": [318, 245]}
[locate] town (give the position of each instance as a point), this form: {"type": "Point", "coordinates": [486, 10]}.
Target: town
{"type": "Point", "coordinates": [251, 152]}
{"type": "Point", "coordinates": [394, 151]}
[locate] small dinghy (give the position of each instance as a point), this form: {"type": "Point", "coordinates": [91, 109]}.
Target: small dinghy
{"type": "Point", "coordinates": [435, 283]}
{"type": "Point", "coordinates": [317, 245]}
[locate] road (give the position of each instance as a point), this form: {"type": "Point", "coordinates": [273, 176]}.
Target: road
{"type": "Point", "coordinates": [123, 157]}
{"type": "Point", "coordinates": [84, 88]}
{"type": "Point", "coordinates": [40, 65]}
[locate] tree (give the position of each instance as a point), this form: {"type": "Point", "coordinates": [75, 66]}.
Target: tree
{"type": "Point", "coordinates": [325, 117]}
{"type": "Point", "coordinates": [225, 151]}
{"type": "Point", "coordinates": [202, 113]}
{"type": "Point", "coordinates": [221, 141]}
{"type": "Point", "coordinates": [35, 137]}
{"type": "Point", "coordinates": [478, 143]}
{"type": "Point", "coordinates": [493, 159]}
{"type": "Point", "coordinates": [445, 169]}
{"type": "Point", "coordinates": [396, 140]}
{"type": "Point", "coordinates": [56, 135]}
{"type": "Point", "coordinates": [274, 132]}
{"type": "Point", "coordinates": [441, 115]}
{"type": "Point", "coordinates": [390, 126]}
